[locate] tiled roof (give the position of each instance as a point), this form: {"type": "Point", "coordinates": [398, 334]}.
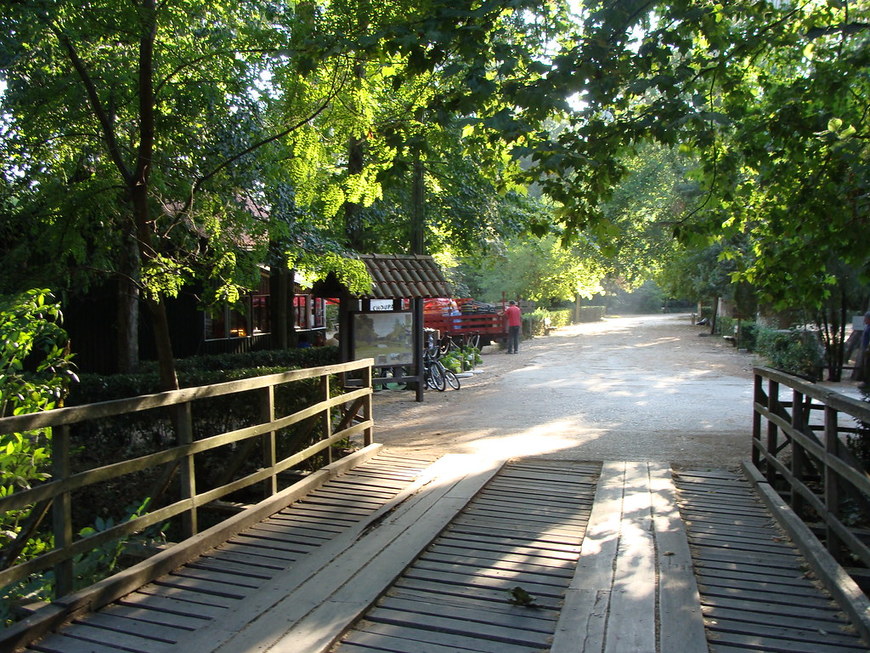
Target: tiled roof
{"type": "Point", "coordinates": [408, 275]}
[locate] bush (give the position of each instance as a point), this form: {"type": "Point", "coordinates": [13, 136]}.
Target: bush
{"type": "Point", "coordinates": [792, 351]}
{"type": "Point", "coordinates": [200, 370]}
{"type": "Point", "coordinates": [749, 336]}
{"type": "Point", "coordinates": [35, 371]}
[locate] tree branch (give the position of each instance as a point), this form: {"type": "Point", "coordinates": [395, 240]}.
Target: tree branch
{"type": "Point", "coordinates": [96, 105]}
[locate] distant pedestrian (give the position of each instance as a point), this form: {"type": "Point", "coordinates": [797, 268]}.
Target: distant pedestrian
{"type": "Point", "coordinates": [514, 320]}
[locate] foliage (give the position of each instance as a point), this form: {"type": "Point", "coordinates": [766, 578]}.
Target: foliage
{"type": "Point", "coordinates": [461, 359]}
{"type": "Point", "coordinates": [768, 97]}
{"type": "Point", "coordinates": [794, 351]}
{"type": "Point", "coordinates": [646, 298]}
{"type": "Point", "coordinates": [538, 269]}
{"type": "Point", "coordinates": [35, 373]}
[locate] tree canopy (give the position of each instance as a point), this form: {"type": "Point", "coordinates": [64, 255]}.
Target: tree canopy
{"type": "Point", "coordinates": [187, 142]}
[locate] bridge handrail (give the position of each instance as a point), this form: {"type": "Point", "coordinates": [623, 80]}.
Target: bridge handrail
{"type": "Point", "coordinates": [56, 492]}
{"type": "Point", "coordinates": [808, 460]}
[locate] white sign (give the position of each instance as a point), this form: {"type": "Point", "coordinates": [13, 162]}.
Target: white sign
{"type": "Point", "coordinates": [381, 305]}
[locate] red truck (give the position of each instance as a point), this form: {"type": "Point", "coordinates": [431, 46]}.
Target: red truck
{"type": "Point", "coordinates": [466, 321]}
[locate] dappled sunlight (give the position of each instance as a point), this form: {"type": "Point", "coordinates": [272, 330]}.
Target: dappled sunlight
{"type": "Point", "coordinates": [537, 441]}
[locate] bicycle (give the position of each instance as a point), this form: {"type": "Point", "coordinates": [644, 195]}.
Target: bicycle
{"type": "Point", "coordinates": [437, 376]}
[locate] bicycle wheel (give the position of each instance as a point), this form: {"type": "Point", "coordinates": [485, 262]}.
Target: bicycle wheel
{"type": "Point", "coordinates": [435, 377]}
{"type": "Point", "coordinates": [451, 378]}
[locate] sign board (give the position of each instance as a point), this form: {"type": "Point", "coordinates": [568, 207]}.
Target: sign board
{"type": "Point", "coordinates": [386, 337]}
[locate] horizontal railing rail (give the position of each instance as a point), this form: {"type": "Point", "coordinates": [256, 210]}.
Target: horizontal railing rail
{"type": "Point", "coordinates": [351, 404]}
{"type": "Point", "coordinates": [800, 442]}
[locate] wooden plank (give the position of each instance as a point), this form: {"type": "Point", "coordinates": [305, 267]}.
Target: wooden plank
{"type": "Point", "coordinates": [517, 576]}
{"type": "Point", "coordinates": [490, 525]}
{"type": "Point", "coordinates": [582, 624]}
{"type": "Point", "coordinates": [751, 642]}
{"type": "Point", "coordinates": [631, 619]}
{"type": "Point", "coordinates": [291, 533]}
{"type": "Point", "coordinates": [772, 610]}
{"type": "Point", "coordinates": [388, 634]}
{"type": "Point", "coordinates": [492, 602]}
{"type": "Point", "coordinates": [459, 626]}
{"type": "Point", "coordinates": [230, 578]}
{"type": "Point", "coordinates": [58, 643]}
{"type": "Point", "coordinates": [467, 592]}
{"type": "Point", "coordinates": [243, 566]}
{"type": "Point", "coordinates": [188, 602]}
{"type": "Point", "coordinates": [306, 521]}
{"type": "Point", "coordinates": [556, 553]}
{"type": "Point", "coordinates": [150, 616]}
{"type": "Point", "coordinates": [780, 583]}
{"type": "Point", "coordinates": [681, 622]}
{"type": "Point", "coordinates": [513, 618]}
{"type": "Point", "coordinates": [294, 600]}
{"type": "Point", "coordinates": [483, 581]}
{"type": "Point", "coordinates": [146, 629]}
{"type": "Point", "coordinates": [452, 534]}
{"type": "Point", "coordinates": [559, 560]}
{"type": "Point", "coordinates": [714, 566]}
{"type": "Point", "coordinates": [805, 632]}
{"type": "Point", "coordinates": [786, 592]}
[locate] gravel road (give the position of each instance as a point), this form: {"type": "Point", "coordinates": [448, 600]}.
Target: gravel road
{"type": "Point", "coordinates": [648, 387]}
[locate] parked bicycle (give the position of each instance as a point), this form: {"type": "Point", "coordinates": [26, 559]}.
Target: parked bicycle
{"type": "Point", "coordinates": [436, 375]}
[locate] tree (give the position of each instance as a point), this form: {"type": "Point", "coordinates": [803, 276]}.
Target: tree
{"type": "Point", "coordinates": [769, 97]}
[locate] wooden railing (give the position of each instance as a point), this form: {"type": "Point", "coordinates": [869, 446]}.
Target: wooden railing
{"type": "Point", "coordinates": [800, 442]}
{"type": "Point", "coordinates": [338, 414]}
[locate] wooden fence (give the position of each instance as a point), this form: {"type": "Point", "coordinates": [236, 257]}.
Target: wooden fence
{"type": "Point", "coordinates": [340, 413]}
{"type": "Point", "coordinates": [804, 439]}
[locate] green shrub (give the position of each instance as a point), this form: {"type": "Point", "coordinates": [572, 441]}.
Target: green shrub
{"type": "Point", "coordinates": [793, 351]}
{"type": "Point", "coordinates": [537, 320]}
{"type": "Point", "coordinates": [35, 371]}
{"type": "Point", "coordinates": [749, 336]}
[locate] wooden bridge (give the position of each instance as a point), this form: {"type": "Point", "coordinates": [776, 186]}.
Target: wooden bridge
{"type": "Point", "coordinates": [385, 552]}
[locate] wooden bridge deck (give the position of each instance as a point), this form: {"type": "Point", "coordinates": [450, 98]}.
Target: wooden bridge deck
{"type": "Point", "coordinates": [468, 555]}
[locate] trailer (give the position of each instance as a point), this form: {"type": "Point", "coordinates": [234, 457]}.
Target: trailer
{"type": "Point", "coordinates": [465, 321]}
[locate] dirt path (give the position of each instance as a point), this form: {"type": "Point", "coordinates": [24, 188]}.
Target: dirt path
{"type": "Point", "coordinates": [634, 388]}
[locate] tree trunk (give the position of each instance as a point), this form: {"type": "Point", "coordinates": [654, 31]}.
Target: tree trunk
{"type": "Point", "coordinates": [353, 210]}
{"type": "Point", "coordinates": [279, 289]}
{"type": "Point", "coordinates": [127, 311]}
{"type": "Point", "coordinates": [714, 313]}
{"type": "Point", "coordinates": [418, 216]}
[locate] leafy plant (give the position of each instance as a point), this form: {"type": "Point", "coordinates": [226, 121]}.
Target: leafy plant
{"type": "Point", "coordinates": [793, 351]}
{"type": "Point", "coordinates": [35, 373]}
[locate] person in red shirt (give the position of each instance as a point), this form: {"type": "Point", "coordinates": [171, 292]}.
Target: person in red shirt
{"type": "Point", "coordinates": [514, 320]}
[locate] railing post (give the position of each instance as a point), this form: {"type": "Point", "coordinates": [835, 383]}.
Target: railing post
{"type": "Point", "coordinates": [327, 415]}
{"type": "Point", "coordinates": [61, 511]}
{"type": "Point", "coordinates": [267, 415]}
{"type": "Point", "coordinates": [368, 436]}
{"type": "Point", "coordinates": [772, 431]}
{"type": "Point", "coordinates": [187, 471]}
{"type": "Point", "coordinates": [758, 398]}
{"type": "Point", "coordinates": [798, 454]}
{"type": "Point", "coordinates": [832, 480]}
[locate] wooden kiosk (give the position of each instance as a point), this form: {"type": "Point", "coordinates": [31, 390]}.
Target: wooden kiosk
{"type": "Point", "coordinates": [387, 323]}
